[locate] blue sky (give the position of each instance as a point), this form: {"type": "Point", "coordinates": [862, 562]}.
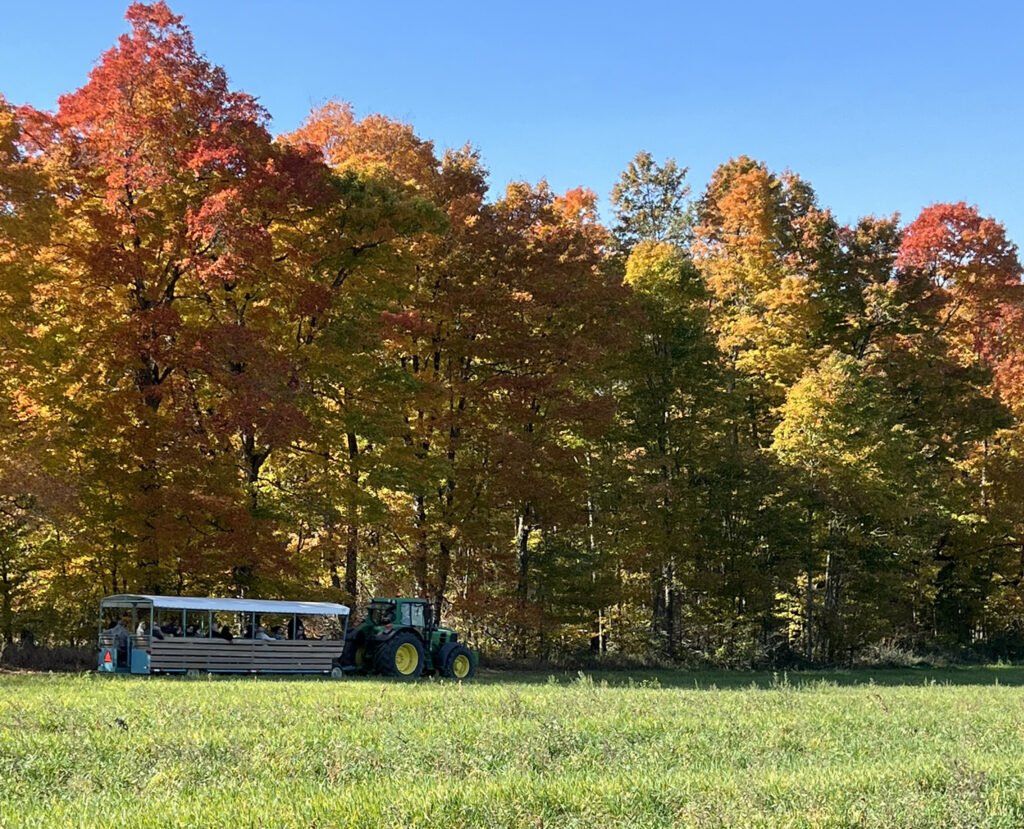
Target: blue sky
{"type": "Point", "coordinates": [883, 107]}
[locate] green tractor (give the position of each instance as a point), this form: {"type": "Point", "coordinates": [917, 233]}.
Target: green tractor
{"type": "Point", "coordinates": [400, 638]}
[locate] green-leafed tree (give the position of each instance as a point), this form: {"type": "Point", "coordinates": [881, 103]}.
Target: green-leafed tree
{"type": "Point", "coordinates": [650, 202]}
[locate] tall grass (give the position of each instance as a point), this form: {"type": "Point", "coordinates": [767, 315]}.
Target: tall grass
{"type": "Point", "coordinates": [111, 751]}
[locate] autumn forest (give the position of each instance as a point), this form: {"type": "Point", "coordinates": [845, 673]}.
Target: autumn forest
{"type": "Point", "coordinates": [723, 428]}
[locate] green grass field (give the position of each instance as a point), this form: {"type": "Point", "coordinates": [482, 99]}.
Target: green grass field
{"type": "Point", "coordinates": [884, 748]}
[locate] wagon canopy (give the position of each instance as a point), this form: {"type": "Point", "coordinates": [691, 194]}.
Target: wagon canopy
{"type": "Point", "coordinates": [230, 605]}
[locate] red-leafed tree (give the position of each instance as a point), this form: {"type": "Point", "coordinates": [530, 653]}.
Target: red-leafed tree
{"type": "Point", "coordinates": [961, 279]}
{"type": "Point", "coordinates": [168, 320]}
{"type": "Point", "coordinates": [968, 275]}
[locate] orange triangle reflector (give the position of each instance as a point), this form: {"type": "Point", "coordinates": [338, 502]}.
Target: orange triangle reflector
{"type": "Point", "coordinates": [106, 657]}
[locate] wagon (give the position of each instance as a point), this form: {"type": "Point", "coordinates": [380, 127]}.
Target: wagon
{"type": "Point", "coordinates": [149, 634]}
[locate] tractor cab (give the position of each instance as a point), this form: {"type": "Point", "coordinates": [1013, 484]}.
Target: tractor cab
{"type": "Point", "coordinates": [399, 637]}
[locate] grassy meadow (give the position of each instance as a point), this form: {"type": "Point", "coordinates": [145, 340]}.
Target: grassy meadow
{"type": "Point", "coordinates": [885, 748]}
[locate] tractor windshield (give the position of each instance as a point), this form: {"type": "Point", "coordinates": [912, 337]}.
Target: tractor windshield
{"type": "Point", "coordinates": [382, 613]}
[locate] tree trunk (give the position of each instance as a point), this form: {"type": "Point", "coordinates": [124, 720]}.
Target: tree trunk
{"type": "Point", "coordinates": [809, 616]}
{"type": "Point", "coordinates": [670, 609]}
{"type": "Point", "coordinates": [419, 560]}
{"type": "Point", "coordinates": [6, 610]}
{"type": "Point", "coordinates": [523, 528]}
{"type": "Point", "coordinates": [352, 559]}
{"type": "Point", "coordinates": [443, 569]}
{"type": "Point", "coordinates": [252, 458]}
{"type": "Point", "coordinates": [332, 560]}
{"type": "Point", "coordinates": [663, 607]}
{"type": "Point", "coordinates": [809, 591]}
{"type": "Point", "coordinates": [352, 537]}
{"type": "Point", "coordinates": [833, 586]}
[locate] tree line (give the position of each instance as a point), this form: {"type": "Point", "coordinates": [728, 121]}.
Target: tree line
{"type": "Point", "coordinates": [331, 365]}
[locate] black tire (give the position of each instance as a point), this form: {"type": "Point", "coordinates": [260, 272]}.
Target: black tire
{"type": "Point", "coordinates": [355, 655]}
{"type": "Point", "coordinates": [442, 657]}
{"type": "Point", "coordinates": [401, 656]}
{"type": "Point", "coordinates": [458, 662]}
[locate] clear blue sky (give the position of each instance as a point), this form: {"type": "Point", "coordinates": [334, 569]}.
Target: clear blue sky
{"type": "Point", "coordinates": [882, 106]}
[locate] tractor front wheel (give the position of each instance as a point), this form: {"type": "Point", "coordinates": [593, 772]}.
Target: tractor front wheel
{"type": "Point", "coordinates": [401, 656]}
{"type": "Point", "coordinates": [458, 663]}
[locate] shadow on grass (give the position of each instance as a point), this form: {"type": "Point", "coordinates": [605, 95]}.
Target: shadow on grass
{"type": "Point", "coordinates": [711, 679]}
{"type": "Point", "coordinates": [1007, 675]}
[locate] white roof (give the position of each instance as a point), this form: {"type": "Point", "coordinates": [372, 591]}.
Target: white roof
{"type": "Point", "coordinates": [230, 605]}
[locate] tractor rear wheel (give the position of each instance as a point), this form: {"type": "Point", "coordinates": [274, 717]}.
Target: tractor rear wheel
{"type": "Point", "coordinates": [458, 663]}
{"type": "Point", "coordinates": [401, 656]}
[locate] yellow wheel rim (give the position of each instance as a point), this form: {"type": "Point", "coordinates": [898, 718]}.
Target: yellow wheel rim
{"type": "Point", "coordinates": [360, 656]}
{"type": "Point", "coordinates": [460, 667]}
{"type": "Point", "coordinates": [406, 658]}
